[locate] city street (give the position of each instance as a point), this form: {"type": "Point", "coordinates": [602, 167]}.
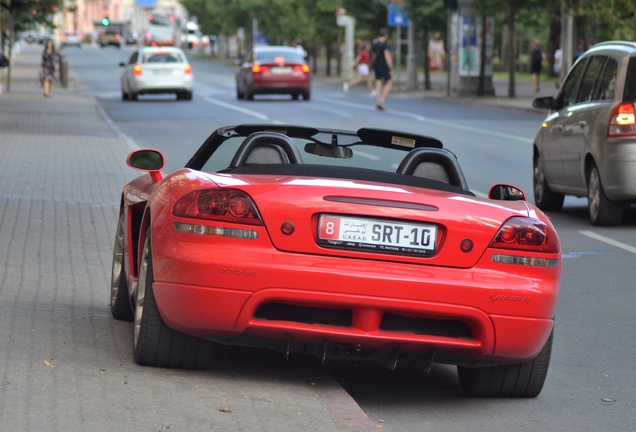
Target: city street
{"type": "Point", "coordinates": [590, 383]}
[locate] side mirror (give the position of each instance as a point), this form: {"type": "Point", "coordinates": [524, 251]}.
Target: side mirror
{"type": "Point", "coordinates": [546, 102]}
{"type": "Point", "coordinates": [147, 160]}
{"type": "Point", "coordinates": [504, 192]}
{"type": "Point", "coordinates": [122, 64]}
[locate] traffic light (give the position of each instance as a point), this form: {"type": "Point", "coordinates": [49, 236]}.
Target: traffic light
{"type": "Point", "coordinates": [106, 21]}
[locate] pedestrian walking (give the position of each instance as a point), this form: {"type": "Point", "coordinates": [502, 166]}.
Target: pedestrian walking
{"type": "Point", "coordinates": [536, 59]}
{"type": "Point", "coordinates": [361, 63]}
{"type": "Point", "coordinates": [49, 65]}
{"type": "Point", "coordinates": [436, 53]}
{"type": "Point", "coordinates": [382, 63]}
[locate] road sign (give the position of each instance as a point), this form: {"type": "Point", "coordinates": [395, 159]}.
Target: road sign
{"type": "Point", "coordinates": [397, 15]}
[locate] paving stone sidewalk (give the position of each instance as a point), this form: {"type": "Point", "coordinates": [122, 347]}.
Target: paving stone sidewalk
{"type": "Point", "coordinates": [65, 364]}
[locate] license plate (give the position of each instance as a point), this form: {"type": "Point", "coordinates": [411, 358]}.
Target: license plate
{"type": "Point", "coordinates": [163, 71]}
{"type": "Point", "coordinates": [377, 235]}
{"type": "Point", "coordinates": [281, 70]}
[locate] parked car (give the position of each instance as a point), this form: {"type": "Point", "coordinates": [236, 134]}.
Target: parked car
{"type": "Point", "coordinates": [292, 238]}
{"type": "Point", "coordinates": [586, 146]}
{"type": "Point", "coordinates": [157, 70]}
{"type": "Point", "coordinates": [273, 70]}
{"type": "Point", "coordinates": [71, 38]}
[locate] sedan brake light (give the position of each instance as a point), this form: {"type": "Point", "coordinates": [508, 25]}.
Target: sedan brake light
{"type": "Point", "coordinates": [117, 37]}
{"type": "Point", "coordinates": [622, 121]}
{"type": "Point", "coordinates": [225, 205]}
{"type": "Point", "coordinates": [260, 69]}
{"type": "Point", "coordinates": [301, 68]}
{"type": "Point", "coordinates": [137, 70]}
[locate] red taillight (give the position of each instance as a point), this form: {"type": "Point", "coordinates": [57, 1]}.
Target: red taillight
{"type": "Point", "coordinates": [137, 70]}
{"type": "Point", "coordinates": [301, 68]}
{"type": "Point", "coordinates": [188, 69]}
{"type": "Point", "coordinates": [622, 121]}
{"type": "Point", "coordinates": [260, 69]}
{"type": "Point", "coordinates": [79, 36]}
{"type": "Point", "coordinates": [226, 205]}
{"type": "Point", "coordinates": [63, 38]}
{"type": "Point", "coordinates": [117, 37]}
{"type": "Point", "coordinates": [526, 234]}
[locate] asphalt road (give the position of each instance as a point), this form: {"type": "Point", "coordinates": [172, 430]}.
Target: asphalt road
{"type": "Point", "coordinates": [590, 386]}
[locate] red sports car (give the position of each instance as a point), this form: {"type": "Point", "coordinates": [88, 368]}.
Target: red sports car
{"type": "Point", "coordinates": [273, 70]}
{"type": "Point", "coordinates": [365, 245]}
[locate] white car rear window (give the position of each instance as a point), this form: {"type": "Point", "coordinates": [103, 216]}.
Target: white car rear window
{"type": "Point", "coordinates": [162, 57]}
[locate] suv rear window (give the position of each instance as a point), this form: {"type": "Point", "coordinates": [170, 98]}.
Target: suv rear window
{"type": "Point", "coordinates": [630, 81]}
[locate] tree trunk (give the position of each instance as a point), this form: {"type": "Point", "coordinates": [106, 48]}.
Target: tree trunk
{"type": "Point", "coordinates": [512, 53]}
{"type": "Point", "coordinates": [554, 39]}
{"type": "Point", "coordinates": [427, 72]}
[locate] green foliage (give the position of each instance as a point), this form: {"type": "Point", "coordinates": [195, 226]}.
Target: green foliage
{"type": "Point", "coordinates": [27, 13]}
{"type": "Point", "coordinates": [314, 20]}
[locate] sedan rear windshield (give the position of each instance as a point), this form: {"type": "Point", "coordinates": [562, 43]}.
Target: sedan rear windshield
{"type": "Point", "coordinates": [161, 57]}
{"type": "Point", "coordinates": [269, 56]}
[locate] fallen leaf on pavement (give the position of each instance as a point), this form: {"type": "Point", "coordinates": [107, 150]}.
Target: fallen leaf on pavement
{"type": "Point", "coordinates": [608, 400]}
{"type": "Point", "coordinates": [46, 363]}
{"type": "Point", "coordinates": [224, 410]}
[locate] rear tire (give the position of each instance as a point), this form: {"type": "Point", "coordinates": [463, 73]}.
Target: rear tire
{"type": "Point", "coordinates": [132, 96]}
{"type": "Point", "coordinates": [544, 198]}
{"type": "Point", "coordinates": [119, 300]}
{"type": "Point", "coordinates": [601, 210]}
{"type": "Point", "coordinates": [124, 96]}
{"type": "Point", "coordinates": [524, 380]}
{"type": "Point", "coordinates": [249, 95]}
{"type": "Point", "coordinates": [306, 96]}
{"type": "Point", "coordinates": [154, 343]}
{"type": "Point", "coordinates": [295, 96]}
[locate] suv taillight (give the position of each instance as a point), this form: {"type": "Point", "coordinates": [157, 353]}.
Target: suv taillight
{"type": "Point", "coordinates": [622, 121]}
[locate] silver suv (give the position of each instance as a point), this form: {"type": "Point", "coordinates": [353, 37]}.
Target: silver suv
{"type": "Point", "coordinates": [587, 144]}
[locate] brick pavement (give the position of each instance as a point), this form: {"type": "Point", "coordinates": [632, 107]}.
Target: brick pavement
{"type": "Point", "coordinates": [65, 364]}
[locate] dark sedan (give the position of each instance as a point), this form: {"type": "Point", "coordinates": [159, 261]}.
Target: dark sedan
{"type": "Point", "coordinates": [273, 70]}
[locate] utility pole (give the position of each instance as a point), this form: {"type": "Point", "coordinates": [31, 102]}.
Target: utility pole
{"type": "Point", "coordinates": [567, 45]}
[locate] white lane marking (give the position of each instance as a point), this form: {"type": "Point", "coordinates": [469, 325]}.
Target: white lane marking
{"type": "Point", "coordinates": [132, 144]}
{"type": "Point", "coordinates": [239, 109]}
{"type": "Point", "coordinates": [609, 241]}
{"type": "Point", "coordinates": [429, 120]}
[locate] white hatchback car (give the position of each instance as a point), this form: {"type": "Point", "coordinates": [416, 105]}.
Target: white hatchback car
{"type": "Point", "coordinates": [157, 70]}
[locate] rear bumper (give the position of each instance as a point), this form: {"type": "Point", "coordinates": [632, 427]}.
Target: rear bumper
{"type": "Point", "coordinates": [619, 173]}
{"type": "Point", "coordinates": [148, 87]}
{"type": "Point", "coordinates": [487, 313]}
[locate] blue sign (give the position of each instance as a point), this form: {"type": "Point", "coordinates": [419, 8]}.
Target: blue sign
{"type": "Point", "coordinates": [397, 15]}
{"type": "Point", "coordinates": [146, 3]}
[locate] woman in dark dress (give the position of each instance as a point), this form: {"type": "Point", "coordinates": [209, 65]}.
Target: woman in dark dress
{"type": "Point", "coordinates": [49, 66]}
{"type": "Point", "coordinates": [536, 58]}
